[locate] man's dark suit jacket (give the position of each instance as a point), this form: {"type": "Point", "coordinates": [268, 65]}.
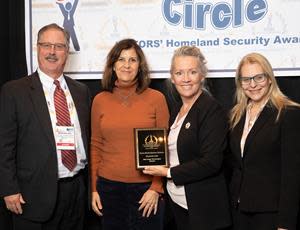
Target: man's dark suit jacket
{"type": "Point", "coordinates": [28, 157]}
{"type": "Point", "coordinates": [267, 178]}
{"type": "Point", "coordinates": [200, 145]}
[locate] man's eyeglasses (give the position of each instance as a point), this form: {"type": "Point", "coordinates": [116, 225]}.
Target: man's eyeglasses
{"type": "Point", "coordinates": [258, 78]}
{"type": "Point", "coordinates": [48, 46]}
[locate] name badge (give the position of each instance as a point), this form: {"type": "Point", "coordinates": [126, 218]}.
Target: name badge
{"type": "Point", "coordinates": [65, 137]}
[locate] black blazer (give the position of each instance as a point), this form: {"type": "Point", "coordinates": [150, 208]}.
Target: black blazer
{"type": "Point", "coordinates": [28, 158]}
{"type": "Point", "coordinates": [267, 178]}
{"type": "Point", "coordinates": [200, 146]}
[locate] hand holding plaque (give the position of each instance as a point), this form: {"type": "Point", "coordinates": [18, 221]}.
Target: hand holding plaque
{"type": "Point", "coordinates": [151, 147]}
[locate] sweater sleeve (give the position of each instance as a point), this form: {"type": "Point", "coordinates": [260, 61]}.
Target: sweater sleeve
{"type": "Point", "coordinates": [162, 112]}
{"type": "Point", "coordinates": [162, 120]}
{"type": "Point", "coordinates": [95, 141]}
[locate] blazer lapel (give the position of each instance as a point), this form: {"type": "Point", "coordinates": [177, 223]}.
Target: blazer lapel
{"type": "Point", "coordinates": [40, 107]}
{"type": "Point", "coordinates": [265, 115]}
{"type": "Point", "coordinates": [237, 133]}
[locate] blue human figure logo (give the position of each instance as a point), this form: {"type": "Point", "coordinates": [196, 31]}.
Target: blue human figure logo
{"type": "Point", "coordinates": [68, 10]}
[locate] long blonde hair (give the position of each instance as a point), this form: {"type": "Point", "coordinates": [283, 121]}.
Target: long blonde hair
{"type": "Point", "coordinates": [276, 98]}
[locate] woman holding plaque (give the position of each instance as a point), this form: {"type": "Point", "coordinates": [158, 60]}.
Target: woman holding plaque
{"type": "Point", "coordinates": [197, 140]}
{"type": "Point", "coordinates": [265, 150]}
{"type": "Point", "coordinates": [124, 196]}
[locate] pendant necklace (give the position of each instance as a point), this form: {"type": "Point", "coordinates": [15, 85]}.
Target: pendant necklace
{"type": "Point", "coordinates": [125, 98]}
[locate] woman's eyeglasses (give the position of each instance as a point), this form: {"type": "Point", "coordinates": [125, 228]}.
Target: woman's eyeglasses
{"type": "Point", "coordinates": [258, 78]}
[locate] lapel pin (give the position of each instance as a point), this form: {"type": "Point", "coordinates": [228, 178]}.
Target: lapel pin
{"type": "Point", "coordinates": [187, 125]}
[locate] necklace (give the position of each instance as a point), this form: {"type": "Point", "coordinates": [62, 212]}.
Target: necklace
{"type": "Point", "coordinates": [249, 122]}
{"type": "Point", "coordinates": [125, 98]}
{"type": "Point", "coordinates": [183, 111]}
{"type": "Point", "coordinates": [185, 108]}
{"type": "Point", "coordinates": [252, 116]}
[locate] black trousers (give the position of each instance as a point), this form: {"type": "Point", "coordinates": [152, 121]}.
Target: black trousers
{"type": "Point", "coordinates": [5, 217]}
{"type": "Point", "coordinates": [181, 216]}
{"type": "Point", "coordinates": [69, 213]}
{"type": "Point", "coordinates": [254, 221]}
{"type": "Point", "coordinates": [120, 203]}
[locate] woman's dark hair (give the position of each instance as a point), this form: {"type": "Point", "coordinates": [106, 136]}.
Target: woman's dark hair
{"type": "Point", "coordinates": [109, 75]}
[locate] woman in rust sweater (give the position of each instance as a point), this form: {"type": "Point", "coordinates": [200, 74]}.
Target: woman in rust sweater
{"type": "Point", "coordinates": [124, 196]}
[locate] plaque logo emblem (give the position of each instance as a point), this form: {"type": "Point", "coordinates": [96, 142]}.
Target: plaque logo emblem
{"type": "Point", "coordinates": [151, 142]}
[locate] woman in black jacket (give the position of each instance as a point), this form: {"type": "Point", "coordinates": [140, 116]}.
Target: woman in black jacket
{"type": "Point", "coordinates": [265, 150]}
{"type": "Point", "coordinates": [197, 139]}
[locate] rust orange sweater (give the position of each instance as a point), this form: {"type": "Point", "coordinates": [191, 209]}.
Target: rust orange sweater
{"type": "Point", "coordinates": [112, 144]}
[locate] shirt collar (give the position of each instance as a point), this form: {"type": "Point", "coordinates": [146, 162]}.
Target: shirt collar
{"type": "Point", "coordinates": [47, 81]}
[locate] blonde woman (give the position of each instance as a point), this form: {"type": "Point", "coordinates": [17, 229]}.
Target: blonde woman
{"type": "Point", "coordinates": [265, 150]}
{"type": "Point", "coordinates": [197, 139]}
